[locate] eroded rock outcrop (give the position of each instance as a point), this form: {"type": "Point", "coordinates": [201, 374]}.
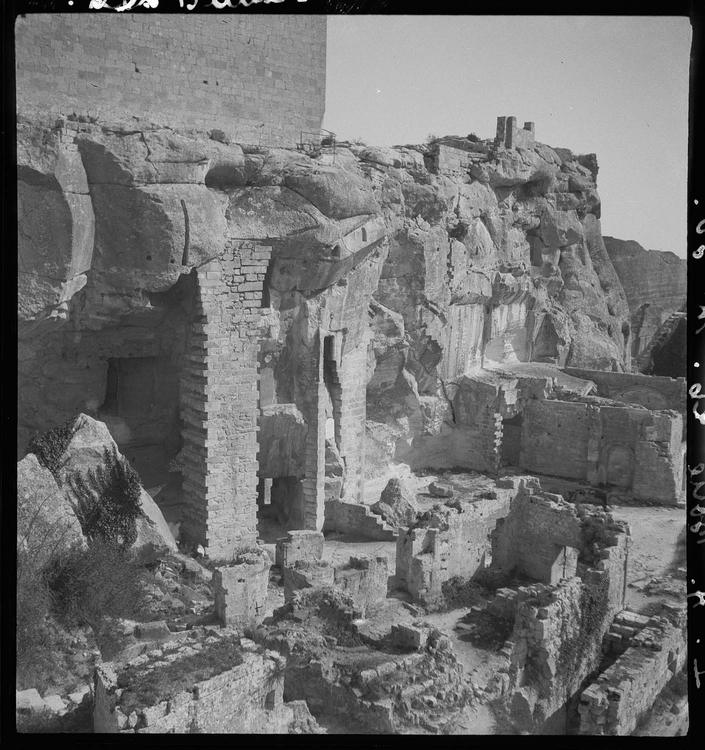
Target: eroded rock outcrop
{"type": "Point", "coordinates": [362, 283]}
{"type": "Point", "coordinates": [655, 285]}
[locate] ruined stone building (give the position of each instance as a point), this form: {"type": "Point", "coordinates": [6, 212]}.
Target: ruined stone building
{"type": "Point", "coordinates": [271, 323]}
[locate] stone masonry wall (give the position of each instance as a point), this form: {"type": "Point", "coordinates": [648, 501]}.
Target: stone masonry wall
{"type": "Point", "coordinates": [557, 637]}
{"type": "Point", "coordinates": [220, 404]}
{"type": "Point", "coordinates": [538, 529]}
{"type": "Point", "coordinates": [625, 691]}
{"type": "Point", "coordinates": [554, 438]}
{"type": "Point", "coordinates": [624, 448]}
{"type": "Point", "coordinates": [450, 543]}
{"type": "Point", "coordinates": [259, 78]}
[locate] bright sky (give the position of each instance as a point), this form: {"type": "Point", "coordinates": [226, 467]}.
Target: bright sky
{"type": "Point", "coordinates": [616, 86]}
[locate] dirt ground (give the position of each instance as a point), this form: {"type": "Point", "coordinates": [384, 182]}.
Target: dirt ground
{"type": "Point", "coordinates": [656, 569]}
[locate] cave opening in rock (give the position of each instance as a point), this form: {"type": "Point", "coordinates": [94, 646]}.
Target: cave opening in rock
{"type": "Point", "coordinates": [546, 342]}
{"type": "Point", "coordinates": [141, 409]}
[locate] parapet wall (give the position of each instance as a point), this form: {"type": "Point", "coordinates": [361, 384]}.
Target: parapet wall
{"type": "Point", "coordinates": [259, 78]}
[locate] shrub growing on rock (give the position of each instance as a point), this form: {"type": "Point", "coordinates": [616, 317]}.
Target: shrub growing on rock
{"type": "Point", "coordinates": [108, 501]}
{"type": "Point", "coordinates": [100, 581]}
{"type": "Point", "coordinates": [50, 446]}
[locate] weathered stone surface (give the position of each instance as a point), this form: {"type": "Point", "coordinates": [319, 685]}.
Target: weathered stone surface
{"type": "Point", "coordinates": [655, 286]}
{"type": "Point", "coordinates": [46, 522]}
{"type": "Point", "coordinates": [396, 504]}
{"type": "Point", "coordinates": [85, 452]}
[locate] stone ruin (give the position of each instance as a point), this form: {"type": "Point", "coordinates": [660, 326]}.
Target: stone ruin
{"type": "Point", "coordinates": [272, 337]}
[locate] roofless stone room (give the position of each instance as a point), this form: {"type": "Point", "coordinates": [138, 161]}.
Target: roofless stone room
{"type": "Point", "coordinates": [322, 436]}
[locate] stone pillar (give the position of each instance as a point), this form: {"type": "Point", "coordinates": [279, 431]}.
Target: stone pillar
{"type": "Point", "coordinates": [219, 403]}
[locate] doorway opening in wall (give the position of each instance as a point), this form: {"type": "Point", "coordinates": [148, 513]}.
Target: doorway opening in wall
{"type": "Point", "coordinates": [280, 507]}
{"type": "Point", "coordinates": [333, 386]}
{"type": "Point", "coordinates": [141, 410]}
{"type": "Point", "coordinates": [511, 440]}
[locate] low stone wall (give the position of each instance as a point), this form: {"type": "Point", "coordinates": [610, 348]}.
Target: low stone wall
{"type": "Point", "coordinates": [244, 695]}
{"type": "Point", "coordinates": [299, 545]}
{"type": "Point", "coordinates": [615, 703]}
{"type": "Point", "coordinates": [362, 578]}
{"type": "Point", "coordinates": [304, 575]}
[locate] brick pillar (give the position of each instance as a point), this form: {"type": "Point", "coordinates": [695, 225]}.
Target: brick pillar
{"type": "Point", "coordinates": [315, 461]}
{"type": "Point", "coordinates": [220, 403]}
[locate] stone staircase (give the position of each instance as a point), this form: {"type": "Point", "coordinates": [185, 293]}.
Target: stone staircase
{"type": "Point", "coordinates": [357, 520]}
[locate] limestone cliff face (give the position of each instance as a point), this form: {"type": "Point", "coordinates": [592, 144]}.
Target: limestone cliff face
{"type": "Point", "coordinates": [655, 285]}
{"type": "Point", "coordinates": [495, 255]}
{"type": "Point", "coordinates": [392, 273]}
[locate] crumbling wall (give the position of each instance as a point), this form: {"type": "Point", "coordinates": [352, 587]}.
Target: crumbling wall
{"type": "Point", "coordinates": [540, 537]}
{"type": "Point", "coordinates": [624, 693]}
{"type": "Point", "coordinates": [558, 629]}
{"type": "Point", "coordinates": [260, 80]}
{"type": "Point", "coordinates": [448, 542]}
